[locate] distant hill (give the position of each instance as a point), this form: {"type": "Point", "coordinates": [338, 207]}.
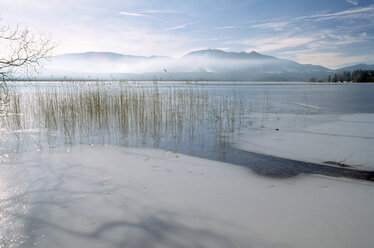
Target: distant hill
{"type": "Point", "coordinates": [219, 54]}
{"type": "Point", "coordinates": [250, 63]}
{"type": "Point", "coordinates": [104, 55]}
{"type": "Point", "coordinates": [210, 64]}
{"type": "Point", "coordinates": [93, 55]}
{"type": "Point", "coordinates": [99, 62]}
{"type": "Point", "coordinates": [356, 67]}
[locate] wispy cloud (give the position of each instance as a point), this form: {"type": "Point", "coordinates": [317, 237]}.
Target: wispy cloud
{"type": "Point", "coordinates": [148, 12]}
{"type": "Point", "coordinates": [327, 39]}
{"type": "Point", "coordinates": [182, 26]}
{"type": "Point", "coordinates": [132, 14]}
{"type": "Point", "coordinates": [177, 27]}
{"type": "Point", "coordinates": [352, 2]}
{"type": "Point", "coordinates": [357, 12]}
{"type": "Point", "coordinates": [225, 27]}
{"type": "Point", "coordinates": [275, 43]}
{"type": "Point", "coordinates": [278, 26]}
{"type": "Point", "coordinates": [333, 40]}
{"type": "Point", "coordinates": [349, 15]}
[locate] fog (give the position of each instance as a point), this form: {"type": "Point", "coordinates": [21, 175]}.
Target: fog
{"type": "Point", "coordinates": [199, 65]}
{"type": "Point", "coordinates": [102, 64]}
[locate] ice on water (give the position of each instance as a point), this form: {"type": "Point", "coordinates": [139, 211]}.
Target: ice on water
{"type": "Point", "coordinates": [111, 196]}
{"type": "Point", "coordinates": [107, 196]}
{"type": "Point", "coordinates": [346, 139]}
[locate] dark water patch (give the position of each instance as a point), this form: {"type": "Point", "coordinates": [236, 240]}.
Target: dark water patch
{"type": "Point", "coordinates": [337, 164]}
{"type": "Point", "coordinates": [275, 167]}
{"type": "Point", "coordinates": [279, 167]}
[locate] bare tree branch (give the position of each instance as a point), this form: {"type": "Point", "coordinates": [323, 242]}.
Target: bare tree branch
{"type": "Point", "coordinates": [21, 53]}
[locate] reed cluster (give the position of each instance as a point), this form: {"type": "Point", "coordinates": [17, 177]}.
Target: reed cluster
{"type": "Point", "coordinates": [120, 113]}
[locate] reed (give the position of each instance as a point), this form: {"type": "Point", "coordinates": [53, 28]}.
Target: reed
{"type": "Point", "coordinates": [122, 112]}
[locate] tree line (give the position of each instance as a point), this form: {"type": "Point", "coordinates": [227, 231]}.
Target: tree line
{"type": "Point", "coordinates": [358, 76]}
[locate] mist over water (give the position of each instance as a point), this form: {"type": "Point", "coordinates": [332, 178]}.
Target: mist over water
{"type": "Point", "coordinates": [199, 65]}
{"type": "Point", "coordinates": [132, 64]}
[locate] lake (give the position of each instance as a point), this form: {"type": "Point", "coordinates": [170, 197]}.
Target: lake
{"type": "Point", "coordinates": [186, 164]}
{"type": "Point", "coordinates": [201, 119]}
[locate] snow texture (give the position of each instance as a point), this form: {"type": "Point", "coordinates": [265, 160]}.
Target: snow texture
{"type": "Point", "coordinates": [90, 196]}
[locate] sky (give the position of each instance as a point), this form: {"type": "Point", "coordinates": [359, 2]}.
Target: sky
{"type": "Point", "coordinates": [333, 33]}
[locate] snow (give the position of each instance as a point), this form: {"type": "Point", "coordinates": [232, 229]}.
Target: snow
{"type": "Point", "coordinates": [107, 196]}
{"type": "Point", "coordinates": [347, 139]}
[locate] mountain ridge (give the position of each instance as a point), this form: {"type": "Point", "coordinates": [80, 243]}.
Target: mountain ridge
{"type": "Point", "coordinates": [356, 67]}
{"type": "Point", "coordinates": [207, 64]}
{"type": "Point", "coordinates": [227, 55]}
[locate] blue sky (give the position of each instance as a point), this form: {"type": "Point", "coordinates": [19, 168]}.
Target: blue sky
{"type": "Point", "coordinates": [332, 33]}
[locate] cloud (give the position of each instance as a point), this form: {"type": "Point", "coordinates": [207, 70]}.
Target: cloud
{"type": "Point", "coordinates": [327, 39]}
{"type": "Point", "coordinates": [225, 27]}
{"type": "Point", "coordinates": [148, 12]}
{"type": "Point", "coordinates": [278, 26]}
{"type": "Point", "coordinates": [357, 12]}
{"type": "Point", "coordinates": [132, 14]}
{"type": "Point", "coordinates": [296, 22]}
{"type": "Point", "coordinates": [324, 48]}
{"type": "Point", "coordinates": [181, 26]}
{"type": "Point", "coordinates": [352, 2]}
{"type": "Point", "coordinates": [275, 43]}
{"type": "Point", "coordinates": [338, 39]}
{"type": "Point", "coordinates": [133, 40]}
{"type": "Point", "coordinates": [177, 27]}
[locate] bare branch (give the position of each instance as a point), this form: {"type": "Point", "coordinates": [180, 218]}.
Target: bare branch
{"type": "Point", "coordinates": [21, 52]}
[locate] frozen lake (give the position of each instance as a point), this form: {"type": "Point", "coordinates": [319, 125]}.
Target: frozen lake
{"type": "Point", "coordinates": [139, 164]}
{"type": "Point", "coordinates": [326, 124]}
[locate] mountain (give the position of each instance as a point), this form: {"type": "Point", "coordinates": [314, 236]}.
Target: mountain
{"type": "Point", "coordinates": [99, 62]}
{"type": "Point", "coordinates": [93, 55]}
{"type": "Point", "coordinates": [251, 66]}
{"type": "Point", "coordinates": [104, 56]}
{"type": "Point", "coordinates": [356, 67]}
{"type": "Point", "coordinates": [219, 54]}
{"type": "Point", "coordinates": [210, 64]}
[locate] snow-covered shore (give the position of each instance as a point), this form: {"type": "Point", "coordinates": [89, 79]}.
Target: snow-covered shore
{"type": "Point", "coordinates": [122, 197]}
{"type": "Point", "coordinates": [346, 139]}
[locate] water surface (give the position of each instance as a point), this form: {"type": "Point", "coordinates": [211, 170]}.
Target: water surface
{"type": "Point", "coordinates": [195, 118]}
